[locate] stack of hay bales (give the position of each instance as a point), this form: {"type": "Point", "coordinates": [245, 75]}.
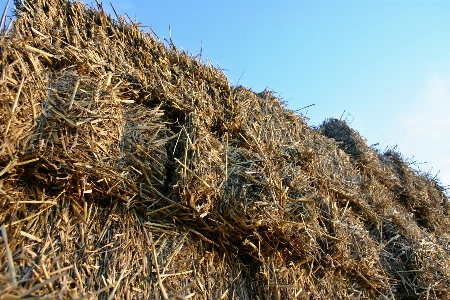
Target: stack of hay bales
{"type": "Point", "coordinates": [129, 169]}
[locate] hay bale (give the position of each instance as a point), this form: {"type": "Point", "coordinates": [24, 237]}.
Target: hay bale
{"type": "Point", "coordinates": [129, 169]}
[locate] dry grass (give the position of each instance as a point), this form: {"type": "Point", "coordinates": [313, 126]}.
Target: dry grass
{"type": "Point", "coordinates": [130, 170]}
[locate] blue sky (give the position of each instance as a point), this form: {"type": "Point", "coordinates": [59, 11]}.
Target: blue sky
{"type": "Point", "coordinates": [385, 63]}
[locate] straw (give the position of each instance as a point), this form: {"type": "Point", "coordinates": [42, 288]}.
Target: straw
{"type": "Point", "coordinates": [130, 170]}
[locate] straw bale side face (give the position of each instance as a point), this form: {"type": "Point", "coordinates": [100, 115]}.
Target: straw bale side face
{"type": "Point", "coordinates": [21, 74]}
{"type": "Point", "coordinates": [413, 206]}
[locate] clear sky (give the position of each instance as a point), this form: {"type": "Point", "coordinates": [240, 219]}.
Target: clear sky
{"type": "Point", "coordinates": [385, 63]}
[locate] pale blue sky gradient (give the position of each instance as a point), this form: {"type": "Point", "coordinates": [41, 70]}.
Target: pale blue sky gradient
{"type": "Point", "coordinates": [385, 63]}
